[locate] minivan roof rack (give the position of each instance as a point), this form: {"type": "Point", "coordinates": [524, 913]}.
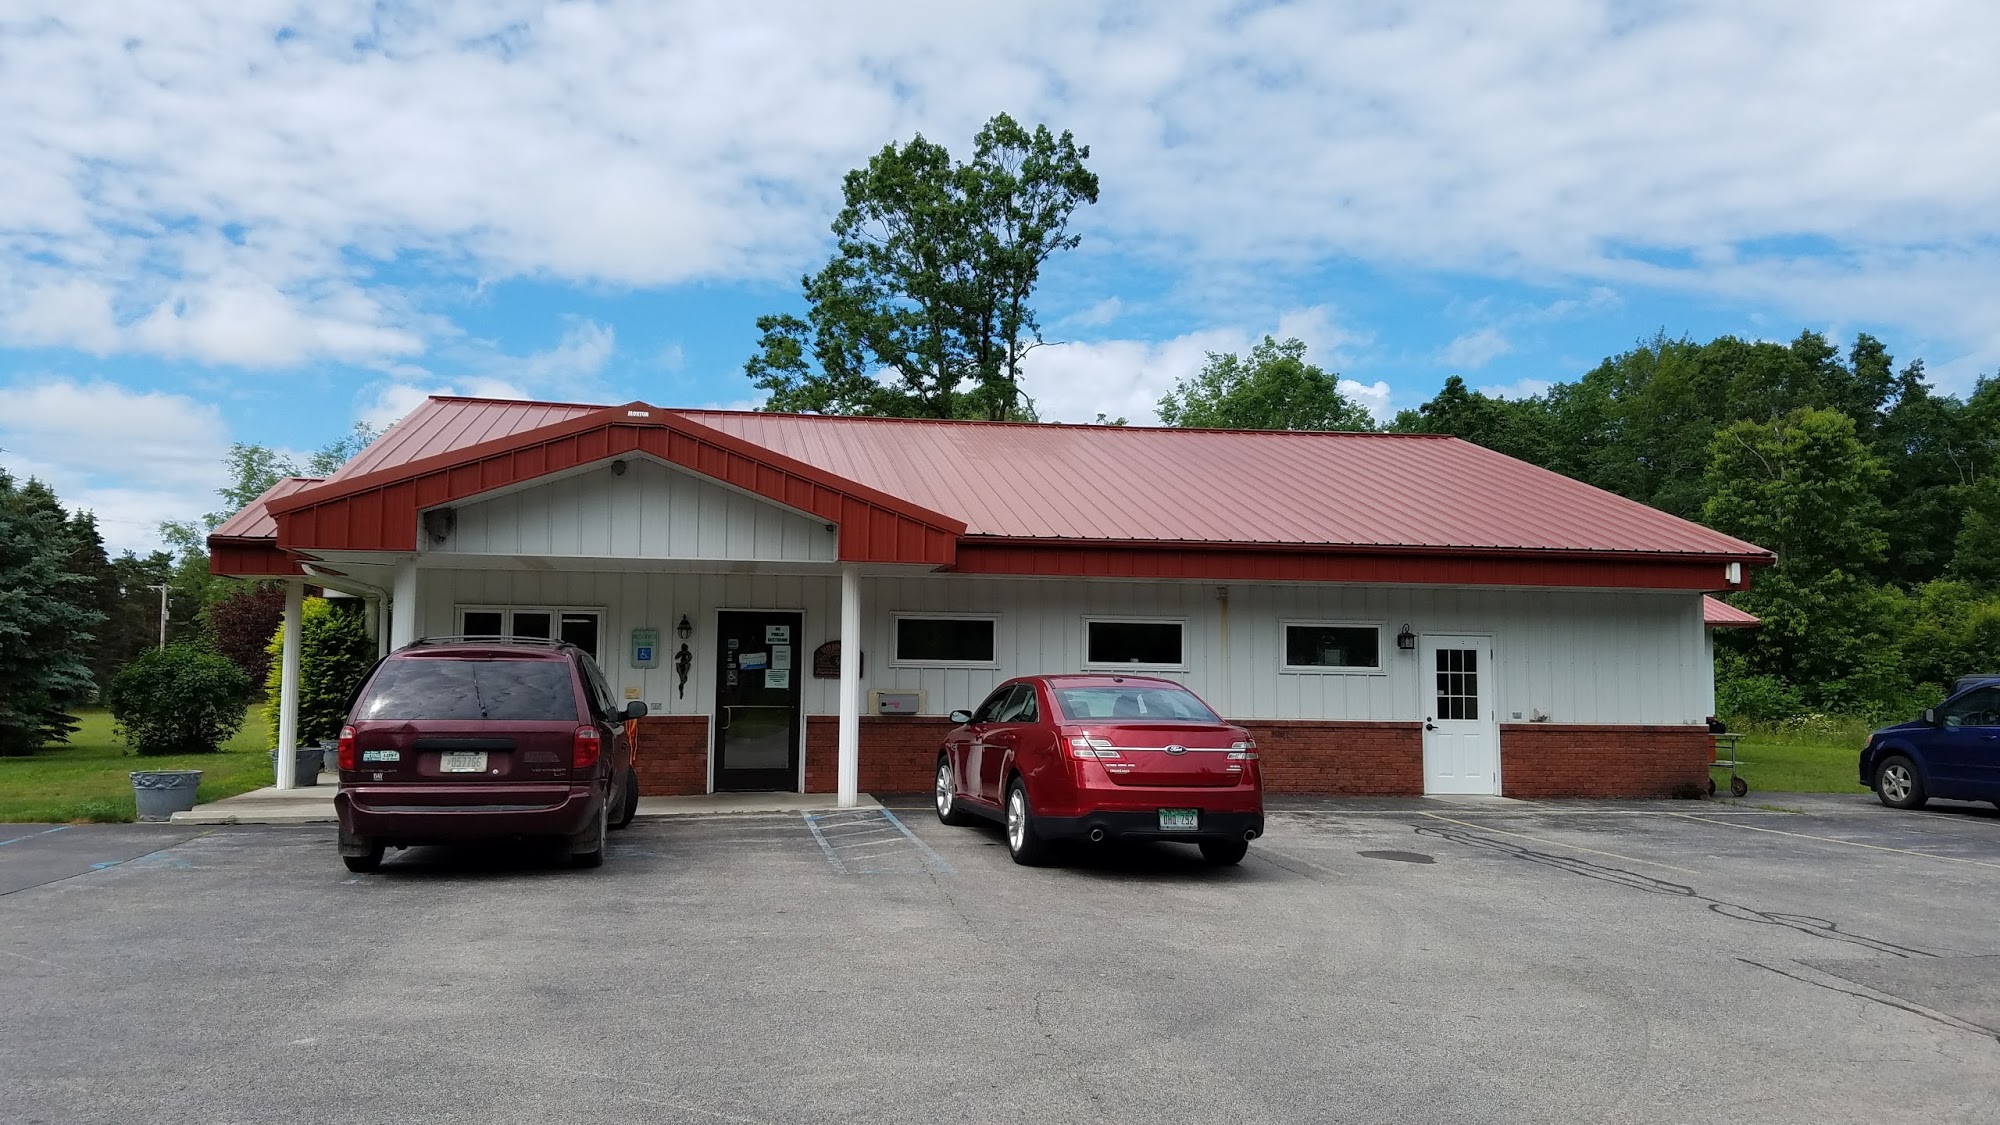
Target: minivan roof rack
{"type": "Point", "coordinates": [490, 639]}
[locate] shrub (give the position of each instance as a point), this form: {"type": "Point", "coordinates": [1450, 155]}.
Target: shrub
{"type": "Point", "coordinates": [335, 653]}
{"type": "Point", "coordinates": [181, 699]}
{"type": "Point", "coordinates": [239, 626]}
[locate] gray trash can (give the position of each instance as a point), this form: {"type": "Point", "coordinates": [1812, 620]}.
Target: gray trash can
{"type": "Point", "coordinates": [308, 760]}
{"type": "Point", "coordinates": [162, 793]}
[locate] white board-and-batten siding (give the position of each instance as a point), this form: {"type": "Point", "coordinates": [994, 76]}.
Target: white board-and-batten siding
{"type": "Point", "coordinates": [650, 511]}
{"type": "Point", "coordinates": [1576, 656]}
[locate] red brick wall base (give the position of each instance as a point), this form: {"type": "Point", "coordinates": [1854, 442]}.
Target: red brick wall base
{"type": "Point", "coordinates": [1340, 759]}
{"type": "Point", "coordinates": [671, 755]}
{"type": "Point", "coordinates": [898, 755]}
{"type": "Point", "coordinates": [1336, 759]}
{"type": "Point", "coordinates": [1573, 760]}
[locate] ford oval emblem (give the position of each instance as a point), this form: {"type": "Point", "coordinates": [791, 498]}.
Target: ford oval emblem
{"type": "Point", "coordinates": [1176, 749]}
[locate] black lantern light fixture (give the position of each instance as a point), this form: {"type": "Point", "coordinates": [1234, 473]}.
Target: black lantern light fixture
{"type": "Point", "coordinates": [685, 629]}
{"type": "Point", "coordinates": [1406, 640]}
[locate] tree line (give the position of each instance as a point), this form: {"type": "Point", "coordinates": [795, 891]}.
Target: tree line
{"type": "Point", "coordinates": [71, 616]}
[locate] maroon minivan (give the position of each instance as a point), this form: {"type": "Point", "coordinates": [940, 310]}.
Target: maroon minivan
{"type": "Point", "coordinates": [480, 737]}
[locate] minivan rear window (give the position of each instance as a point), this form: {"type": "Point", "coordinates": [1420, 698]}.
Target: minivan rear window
{"type": "Point", "coordinates": [1147, 703]}
{"type": "Point", "coordinates": [458, 689]}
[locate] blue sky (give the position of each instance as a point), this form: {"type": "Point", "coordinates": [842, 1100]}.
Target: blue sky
{"type": "Point", "coordinates": [257, 220]}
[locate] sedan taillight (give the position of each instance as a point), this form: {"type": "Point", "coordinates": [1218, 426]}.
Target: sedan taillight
{"type": "Point", "coordinates": [585, 748]}
{"type": "Point", "coordinates": [1244, 751]}
{"type": "Point", "coordinates": [344, 755]}
{"type": "Point", "coordinates": [1088, 748]}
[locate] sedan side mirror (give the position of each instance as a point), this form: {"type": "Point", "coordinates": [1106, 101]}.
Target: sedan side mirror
{"type": "Point", "coordinates": [961, 717]}
{"type": "Point", "coordinates": [636, 709]}
{"type": "Point", "coordinates": [1930, 715]}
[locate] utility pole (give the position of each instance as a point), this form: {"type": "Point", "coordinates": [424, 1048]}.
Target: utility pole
{"type": "Point", "coordinates": [162, 588]}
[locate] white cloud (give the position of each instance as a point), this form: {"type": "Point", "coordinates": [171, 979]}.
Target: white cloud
{"type": "Point", "coordinates": [1475, 350]}
{"type": "Point", "coordinates": [134, 458]}
{"type": "Point", "coordinates": [1075, 382]}
{"type": "Point", "coordinates": [1374, 397]}
{"type": "Point", "coordinates": [225, 181]}
{"type": "Point", "coordinates": [1518, 389]}
{"type": "Point", "coordinates": [568, 370]}
{"type": "Point", "coordinates": [1097, 315]}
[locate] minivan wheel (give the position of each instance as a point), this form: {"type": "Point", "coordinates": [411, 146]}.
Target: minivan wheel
{"type": "Point", "coordinates": [364, 863]}
{"type": "Point", "coordinates": [948, 809]}
{"type": "Point", "coordinates": [594, 855]}
{"type": "Point", "coordinates": [629, 807]}
{"type": "Point", "coordinates": [1899, 785]}
{"type": "Point", "coordinates": [1224, 853]}
{"type": "Point", "coordinates": [1024, 842]}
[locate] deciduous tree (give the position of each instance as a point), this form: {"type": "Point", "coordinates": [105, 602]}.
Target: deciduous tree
{"type": "Point", "coordinates": [1273, 388]}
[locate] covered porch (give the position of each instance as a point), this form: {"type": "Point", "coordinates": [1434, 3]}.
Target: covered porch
{"type": "Point", "coordinates": [715, 581]}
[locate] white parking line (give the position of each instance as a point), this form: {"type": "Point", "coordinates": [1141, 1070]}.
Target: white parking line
{"type": "Point", "coordinates": [1838, 840]}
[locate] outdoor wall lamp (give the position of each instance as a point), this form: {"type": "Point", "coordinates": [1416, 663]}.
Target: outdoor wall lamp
{"type": "Point", "coordinates": [685, 629]}
{"type": "Point", "coordinates": [1406, 639]}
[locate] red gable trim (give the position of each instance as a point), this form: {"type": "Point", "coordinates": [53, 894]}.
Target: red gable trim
{"type": "Point", "coordinates": [378, 511]}
{"type": "Point", "coordinates": [251, 559]}
{"type": "Point", "coordinates": [1218, 563]}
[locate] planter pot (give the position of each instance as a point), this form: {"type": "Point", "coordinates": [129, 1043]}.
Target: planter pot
{"type": "Point", "coordinates": [162, 793]}
{"type": "Point", "coordinates": [306, 761]}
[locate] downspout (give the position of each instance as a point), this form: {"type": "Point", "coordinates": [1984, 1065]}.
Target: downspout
{"type": "Point", "coordinates": [376, 594]}
{"type": "Point", "coordinates": [1228, 684]}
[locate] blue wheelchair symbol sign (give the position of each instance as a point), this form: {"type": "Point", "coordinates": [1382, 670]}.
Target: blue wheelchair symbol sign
{"type": "Point", "coordinates": [644, 654]}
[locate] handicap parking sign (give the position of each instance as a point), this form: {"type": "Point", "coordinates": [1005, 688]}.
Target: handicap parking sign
{"type": "Point", "coordinates": [644, 655]}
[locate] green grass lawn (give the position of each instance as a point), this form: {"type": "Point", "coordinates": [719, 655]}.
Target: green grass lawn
{"type": "Point", "coordinates": [85, 779]}
{"type": "Point", "coordinates": [1813, 756]}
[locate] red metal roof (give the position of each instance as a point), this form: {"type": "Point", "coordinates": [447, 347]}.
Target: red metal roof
{"type": "Point", "coordinates": [1718, 614]}
{"type": "Point", "coordinates": [444, 423]}
{"type": "Point", "coordinates": [255, 520]}
{"type": "Point", "coordinates": [1053, 499]}
{"type": "Point", "coordinates": [1032, 481]}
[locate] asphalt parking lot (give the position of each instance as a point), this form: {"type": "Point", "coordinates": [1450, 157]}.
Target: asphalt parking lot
{"type": "Point", "coordinates": [1371, 961]}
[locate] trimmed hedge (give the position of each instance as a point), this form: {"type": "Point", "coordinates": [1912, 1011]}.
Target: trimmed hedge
{"type": "Point", "coordinates": [182, 699]}
{"type": "Point", "coordinates": [335, 654]}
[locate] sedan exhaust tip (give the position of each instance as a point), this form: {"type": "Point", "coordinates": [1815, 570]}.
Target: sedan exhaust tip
{"type": "Point", "coordinates": [1249, 834]}
{"type": "Point", "coordinates": [1097, 835]}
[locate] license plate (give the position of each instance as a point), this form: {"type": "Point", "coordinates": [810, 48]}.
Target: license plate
{"type": "Point", "coordinates": [1179, 818]}
{"type": "Point", "coordinates": [462, 761]}
{"type": "Point", "coordinates": [381, 755]}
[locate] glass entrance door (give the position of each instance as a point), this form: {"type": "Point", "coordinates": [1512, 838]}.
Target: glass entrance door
{"type": "Point", "coordinates": [757, 701]}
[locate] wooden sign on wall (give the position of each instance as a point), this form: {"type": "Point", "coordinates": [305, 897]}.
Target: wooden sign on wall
{"type": "Point", "coordinates": [826, 661]}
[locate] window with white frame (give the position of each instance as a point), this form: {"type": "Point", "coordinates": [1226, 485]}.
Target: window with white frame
{"type": "Point", "coordinates": [1332, 646]}
{"type": "Point", "coordinates": [580, 626]}
{"type": "Point", "coordinates": [1134, 642]}
{"type": "Point", "coordinates": [951, 639]}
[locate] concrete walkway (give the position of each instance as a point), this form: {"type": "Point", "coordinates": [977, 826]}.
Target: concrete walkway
{"type": "Point", "coordinates": [314, 805]}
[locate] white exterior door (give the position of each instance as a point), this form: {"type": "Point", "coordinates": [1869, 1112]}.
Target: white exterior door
{"type": "Point", "coordinates": [1461, 734]}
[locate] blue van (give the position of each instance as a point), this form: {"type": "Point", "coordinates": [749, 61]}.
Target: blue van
{"type": "Point", "coordinates": [1952, 751]}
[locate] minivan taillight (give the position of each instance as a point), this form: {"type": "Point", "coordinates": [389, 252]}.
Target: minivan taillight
{"type": "Point", "coordinates": [583, 751]}
{"type": "Point", "coordinates": [345, 754]}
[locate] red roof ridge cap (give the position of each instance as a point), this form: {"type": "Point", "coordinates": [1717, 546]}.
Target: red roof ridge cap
{"type": "Point", "coordinates": [513, 402]}
{"type": "Point", "coordinates": [1051, 425]}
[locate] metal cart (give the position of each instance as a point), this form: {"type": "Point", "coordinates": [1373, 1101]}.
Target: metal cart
{"type": "Point", "coordinates": [1725, 744]}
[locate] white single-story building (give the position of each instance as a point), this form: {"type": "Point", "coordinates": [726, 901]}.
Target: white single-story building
{"type": "Point", "coordinates": [1390, 614]}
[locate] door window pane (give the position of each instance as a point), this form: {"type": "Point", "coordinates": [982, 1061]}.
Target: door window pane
{"type": "Point", "coordinates": [580, 629]}
{"type": "Point", "coordinates": [944, 639]}
{"type": "Point", "coordinates": [533, 623]}
{"type": "Point", "coordinates": [1457, 671]}
{"type": "Point", "coordinates": [1133, 642]}
{"type": "Point", "coordinates": [1333, 646]}
{"type": "Point", "coordinates": [996, 704]}
{"type": "Point", "coordinates": [483, 623]}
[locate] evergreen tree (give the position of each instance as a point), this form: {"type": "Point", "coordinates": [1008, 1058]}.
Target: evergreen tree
{"type": "Point", "coordinates": [46, 620]}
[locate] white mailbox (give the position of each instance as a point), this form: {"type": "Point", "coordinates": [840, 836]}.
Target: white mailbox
{"type": "Point", "coordinates": [896, 702]}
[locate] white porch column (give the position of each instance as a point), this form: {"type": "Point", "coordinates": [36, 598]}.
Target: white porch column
{"type": "Point", "coordinates": [403, 612]}
{"type": "Point", "coordinates": [850, 685]}
{"type": "Point", "coordinates": [288, 687]}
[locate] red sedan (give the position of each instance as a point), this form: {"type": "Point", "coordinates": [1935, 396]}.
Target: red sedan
{"type": "Point", "coordinates": [1099, 758]}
